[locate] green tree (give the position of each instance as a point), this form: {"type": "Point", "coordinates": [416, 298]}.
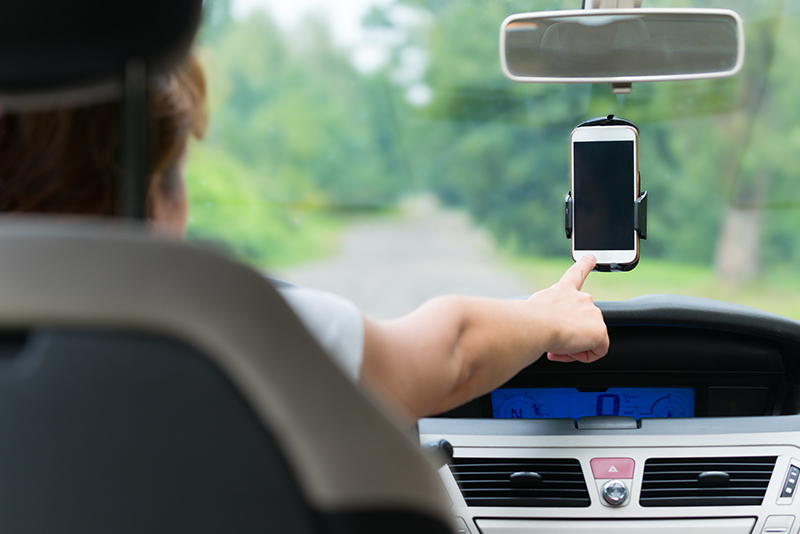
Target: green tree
{"type": "Point", "coordinates": [296, 137]}
{"type": "Point", "coordinates": [297, 133]}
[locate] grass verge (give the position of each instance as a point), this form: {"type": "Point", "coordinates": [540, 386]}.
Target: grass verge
{"type": "Point", "coordinates": [777, 291]}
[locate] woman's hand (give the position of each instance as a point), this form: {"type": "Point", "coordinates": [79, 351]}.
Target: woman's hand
{"type": "Point", "coordinates": [579, 333]}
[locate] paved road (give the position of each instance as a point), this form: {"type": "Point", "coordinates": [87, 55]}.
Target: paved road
{"type": "Point", "coordinates": [390, 266]}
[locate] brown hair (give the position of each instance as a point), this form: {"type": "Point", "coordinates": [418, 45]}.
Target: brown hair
{"type": "Point", "coordinates": [66, 160]}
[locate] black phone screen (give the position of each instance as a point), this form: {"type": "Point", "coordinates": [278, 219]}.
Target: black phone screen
{"type": "Point", "coordinates": [603, 195]}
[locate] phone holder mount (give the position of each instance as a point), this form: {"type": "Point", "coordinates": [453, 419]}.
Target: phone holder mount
{"type": "Point", "coordinates": [639, 215]}
{"type": "Point", "coordinates": [608, 120]}
{"type": "Point", "coordinates": [639, 224]}
{"type": "Point", "coordinates": [639, 205]}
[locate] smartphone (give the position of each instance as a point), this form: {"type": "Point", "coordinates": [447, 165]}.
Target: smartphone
{"type": "Point", "coordinates": [604, 181]}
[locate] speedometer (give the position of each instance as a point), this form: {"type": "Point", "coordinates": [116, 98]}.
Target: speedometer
{"type": "Point", "coordinates": [571, 403]}
{"type": "Point", "coordinates": [518, 407]}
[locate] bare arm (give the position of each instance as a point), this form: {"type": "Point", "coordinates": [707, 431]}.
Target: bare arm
{"type": "Point", "coordinates": [453, 349]}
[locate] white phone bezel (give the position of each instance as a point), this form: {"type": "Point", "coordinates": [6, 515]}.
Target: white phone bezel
{"type": "Point", "coordinates": [600, 134]}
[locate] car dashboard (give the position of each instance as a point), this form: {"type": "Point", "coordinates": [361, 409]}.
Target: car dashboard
{"type": "Point", "coordinates": [689, 423]}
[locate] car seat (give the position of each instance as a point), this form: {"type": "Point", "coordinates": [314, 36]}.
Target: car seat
{"type": "Point", "coordinates": [150, 386]}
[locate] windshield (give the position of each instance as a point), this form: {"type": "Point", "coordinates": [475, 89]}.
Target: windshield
{"type": "Point", "coordinates": [376, 150]}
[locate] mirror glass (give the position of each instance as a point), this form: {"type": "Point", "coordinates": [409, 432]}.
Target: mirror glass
{"type": "Point", "coordinates": [630, 45]}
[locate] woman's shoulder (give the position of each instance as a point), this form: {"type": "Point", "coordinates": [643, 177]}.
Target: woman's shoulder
{"type": "Point", "coordinates": [334, 321]}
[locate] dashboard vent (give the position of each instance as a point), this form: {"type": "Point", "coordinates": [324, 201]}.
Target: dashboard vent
{"type": "Point", "coordinates": [525, 482]}
{"type": "Point", "coordinates": [739, 481]}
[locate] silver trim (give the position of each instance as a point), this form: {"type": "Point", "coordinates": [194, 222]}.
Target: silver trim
{"type": "Point", "coordinates": [742, 525]}
{"type": "Point", "coordinates": [599, 444]}
{"type": "Point", "coordinates": [615, 492]}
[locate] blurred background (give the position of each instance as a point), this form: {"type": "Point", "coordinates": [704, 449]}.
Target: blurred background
{"type": "Point", "coordinates": [374, 148]}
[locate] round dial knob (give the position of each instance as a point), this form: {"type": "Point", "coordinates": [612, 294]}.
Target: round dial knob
{"type": "Point", "coordinates": [615, 492]}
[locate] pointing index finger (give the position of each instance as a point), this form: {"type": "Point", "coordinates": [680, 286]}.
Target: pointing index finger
{"type": "Point", "coordinates": [576, 275]}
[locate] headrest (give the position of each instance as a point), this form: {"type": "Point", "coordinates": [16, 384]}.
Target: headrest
{"type": "Point", "coordinates": [71, 52]}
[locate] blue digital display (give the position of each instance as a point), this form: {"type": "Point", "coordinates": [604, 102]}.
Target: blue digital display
{"type": "Point", "coordinates": [569, 403]}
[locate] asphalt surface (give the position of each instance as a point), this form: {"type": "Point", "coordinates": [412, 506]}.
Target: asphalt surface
{"type": "Point", "coordinates": [389, 266]}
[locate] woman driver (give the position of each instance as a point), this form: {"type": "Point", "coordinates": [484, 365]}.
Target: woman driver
{"type": "Point", "coordinates": [448, 351]}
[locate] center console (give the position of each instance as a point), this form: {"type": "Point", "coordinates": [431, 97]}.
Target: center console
{"type": "Point", "coordinates": [690, 424]}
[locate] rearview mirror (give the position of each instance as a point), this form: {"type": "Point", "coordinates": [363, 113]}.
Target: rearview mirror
{"type": "Point", "coordinates": [621, 45]}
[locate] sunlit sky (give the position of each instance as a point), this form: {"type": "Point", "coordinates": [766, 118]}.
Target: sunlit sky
{"type": "Point", "coordinates": [368, 50]}
{"type": "Point", "coordinates": [344, 15]}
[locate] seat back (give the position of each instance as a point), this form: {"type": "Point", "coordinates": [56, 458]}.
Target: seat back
{"type": "Point", "coordinates": [147, 385]}
{"type": "Point", "coordinates": [123, 432]}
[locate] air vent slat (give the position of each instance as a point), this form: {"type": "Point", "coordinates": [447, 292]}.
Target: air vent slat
{"type": "Point", "coordinates": [705, 492]}
{"type": "Point", "coordinates": [677, 475]}
{"type": "Point", "coordinates": [467, 484]}
{"type": "Point", "coordinates": [493, 492]}
{"type": "Point", "coordinates": [676, 481]}
{"type": "Point", "coordinates": [487, 482]}
{"type": "Point", "coordinates": [684, 484]}
{"type": "Point", "coordinates": [708, 467]}
{"type": "Point", "coordinates": [705, 501]}
{"type": "Point", "coordinates": [468, 472]}
{"type": "Point", "coordinates": [530, 503]}
{"type": "Point", "coordinates": [565, 465]}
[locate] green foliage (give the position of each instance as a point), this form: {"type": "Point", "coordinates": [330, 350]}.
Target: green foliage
{"type": "Point", "coordinates": [217, 20]}
{"type": "Point", "coordinates": [298, 132]}
{"type": "Point", "coordinates": [779, 292]}
{"type": "Point", "coordinates": [302, 117]}
{"type": "Point", "coordinates": [501, 149]}
{"type": "Point", "coordinates": [227, 212]}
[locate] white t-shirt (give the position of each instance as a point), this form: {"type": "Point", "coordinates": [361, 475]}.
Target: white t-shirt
{"type": "Point", "coordinates": [334, 321]}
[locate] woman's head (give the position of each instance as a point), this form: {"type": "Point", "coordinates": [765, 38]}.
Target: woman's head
{"type": "Point", "coordinates": [66, 160]}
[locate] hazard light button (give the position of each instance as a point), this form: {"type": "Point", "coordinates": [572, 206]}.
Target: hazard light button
{"type": "Point", "coordinates": [612, 468]}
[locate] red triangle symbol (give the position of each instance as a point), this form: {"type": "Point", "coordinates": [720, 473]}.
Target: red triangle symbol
{"type": "Point", "coordinates": [613, 469]}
